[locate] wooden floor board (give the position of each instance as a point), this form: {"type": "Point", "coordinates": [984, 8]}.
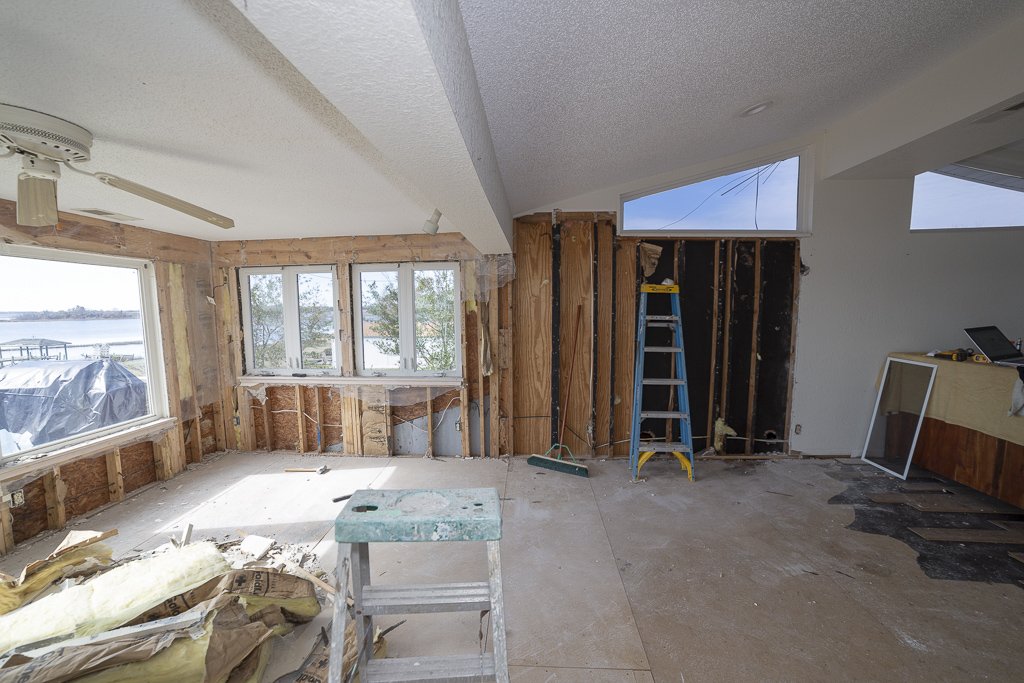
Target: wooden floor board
{"type": "Point", "coordinates": [947, 535]}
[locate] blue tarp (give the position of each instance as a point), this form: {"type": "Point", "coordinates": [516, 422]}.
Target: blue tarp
{"type": "Point", "coordinates": [52, 400]}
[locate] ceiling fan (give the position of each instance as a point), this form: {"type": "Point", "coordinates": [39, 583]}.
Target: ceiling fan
{"type": "Point", "coordinates": [45, 142]}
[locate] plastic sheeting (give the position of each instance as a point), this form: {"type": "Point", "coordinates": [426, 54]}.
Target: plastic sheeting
{"type": "Point", "coordinates": [53, 400]}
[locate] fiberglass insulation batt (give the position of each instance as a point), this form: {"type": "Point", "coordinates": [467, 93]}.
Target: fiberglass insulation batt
{"type": "Point", "coordinates": [112, 598]}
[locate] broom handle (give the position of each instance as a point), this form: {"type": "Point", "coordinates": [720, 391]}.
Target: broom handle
{"type": "Point", "coordinates": [572, 366]}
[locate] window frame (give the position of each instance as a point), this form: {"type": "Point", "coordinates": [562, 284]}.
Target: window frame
{"type": "Point", "coordinates": [156, 380]}
{"type": "Point", "coordinates": [951, 228]}
{"type": "Point", "coordinates": [406, 318]}
{"type": "Point", "coordinates": [805, 185]}
{"type": "Point", "coordinates": [291, 318]}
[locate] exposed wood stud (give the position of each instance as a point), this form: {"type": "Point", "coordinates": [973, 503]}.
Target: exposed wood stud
{"type": "Point", "coordinates": [508, 385]}
{"type": "Point", "coordinates": [626, 293]}
{"type": "Point", "coordinates": [229, 338]}
{"type": "Point", "coordinates": [556, 331]}
{"type": "Point", "coordinates": [532, 337]}
{"type": "Point", "coordinates": [6, 529]}
{"type": "Point", "coordinates": [268, 425]}
{"type": "Point", "coordinates": [247, 426]}
{"type": "Point", "coordinates": [55, 490]}
{"type": "Point", "coordinates": [715, 321]}
{"type": "Point", "coordinates": [494, 379]}
{"type": "Point", "coordinates": [464, 392]}
{"type": "Point", "coordinates": [797, 274]}
{"type": "Point", "coordinates": [115, 479]}
{"type": "Point", "coordinates": [346, 309]}
{"type": "Point", "coordinates": [430, 422]}
{"type": "Point", "coordinates": [219, 433]}
{"type": "Point", "coordinates": [754, 346]}
{"type": "Point", "coordinates": [300, 414]}
{"type": "Point", "coordinates": [730, 254]}
{"type": "Point", "coordinates": [319, 420]}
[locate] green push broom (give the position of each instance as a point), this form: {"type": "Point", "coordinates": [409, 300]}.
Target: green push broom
{"type": "Point", "coordinates": [552, 460]}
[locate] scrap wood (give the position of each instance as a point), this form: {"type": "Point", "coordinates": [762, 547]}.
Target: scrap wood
{"type": "Point", "coordinates": [78, 554]}
{"type": "Point", "coordinates": [957, 535]}
{"type": "Point", "coordinates": [943, 502]}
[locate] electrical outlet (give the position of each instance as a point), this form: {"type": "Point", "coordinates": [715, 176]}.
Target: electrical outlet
{"type": "Point", "coordinates": [17, 498]}
{"type": "Point", "coordinates": [458, 425]}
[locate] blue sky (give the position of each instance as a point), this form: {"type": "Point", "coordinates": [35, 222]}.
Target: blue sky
{"type": "Point", "coordinates": [35, 285]}
{"type": "Point", "coordinates": [712, 206]}
{"type": "Point", "coordinates": [944, 202]}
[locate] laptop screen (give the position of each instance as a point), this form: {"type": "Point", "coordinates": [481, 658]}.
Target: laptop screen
{"type": "Point", "coordinates": [992, 342]}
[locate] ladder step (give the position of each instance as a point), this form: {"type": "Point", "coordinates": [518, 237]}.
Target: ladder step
{"type": "Point", "coordinates": [663, 317]}
{"type": "Point", "coordinates": [670, 326]}
{"type": "Point", "coordinates": [662, 447]}
{"type": "Point", "coordinates": [448, 597]}
{"type": "Point", "coordinates": [663, 349]}
{"type": "Point", "coordinates": [663, 382]}
{"type": "Point", "coordinates": [673, 414]}
{"type": "Point", "coordinates": [426, 669]}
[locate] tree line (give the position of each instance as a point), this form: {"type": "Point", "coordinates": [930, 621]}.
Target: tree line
{"type": "Point", "coordinates": [76, 313]}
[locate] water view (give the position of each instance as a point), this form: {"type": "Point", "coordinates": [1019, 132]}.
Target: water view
{"type": "Point", "coordinates": [124, 336]}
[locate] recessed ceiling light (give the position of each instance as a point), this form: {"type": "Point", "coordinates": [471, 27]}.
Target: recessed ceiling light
{"type": "Point", "coordinates": [756, 109]}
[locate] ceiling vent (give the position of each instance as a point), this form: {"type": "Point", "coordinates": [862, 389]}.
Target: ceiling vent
{"type": "Point", "coordinates": [108, 215]}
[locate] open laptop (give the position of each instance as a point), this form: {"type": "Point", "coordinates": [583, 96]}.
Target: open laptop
{"type": "Point", "coordinates": [995, 346]}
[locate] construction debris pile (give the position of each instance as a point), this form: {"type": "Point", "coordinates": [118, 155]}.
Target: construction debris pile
{"type": "Point", "coordinates": [180, 613]}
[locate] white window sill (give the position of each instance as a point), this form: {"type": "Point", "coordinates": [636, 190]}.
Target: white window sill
{"type": "Point", "coordinates": [334, 380]}
{"type": "Point", "coordinates": [19, 466]}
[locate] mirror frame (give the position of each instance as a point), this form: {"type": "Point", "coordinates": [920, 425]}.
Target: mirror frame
{"type": "Point", "coordinates": [874, 413]}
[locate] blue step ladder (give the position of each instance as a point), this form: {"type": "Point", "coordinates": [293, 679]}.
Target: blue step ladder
{"type": "Point", "coordinates": [642, 451]}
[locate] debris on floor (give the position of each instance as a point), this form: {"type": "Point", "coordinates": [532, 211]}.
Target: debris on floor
{"type": "Point", "coordinates": [79, 554]}
{"type": "Point", "coordinates": [194, 612]}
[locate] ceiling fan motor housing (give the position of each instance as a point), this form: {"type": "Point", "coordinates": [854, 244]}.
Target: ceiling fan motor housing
{"type": "Point", "coordinates": [36, 134]}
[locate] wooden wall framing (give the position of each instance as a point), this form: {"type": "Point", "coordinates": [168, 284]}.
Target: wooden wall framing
{"type": "Point", "coordinates": [739, 304]}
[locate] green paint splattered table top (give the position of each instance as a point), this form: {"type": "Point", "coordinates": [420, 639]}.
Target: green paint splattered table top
{"type": "Point", "coordinates": [388, 516]}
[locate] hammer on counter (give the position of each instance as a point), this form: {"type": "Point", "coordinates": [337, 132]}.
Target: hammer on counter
{"type": "Point", "coordinates": [323, 469]}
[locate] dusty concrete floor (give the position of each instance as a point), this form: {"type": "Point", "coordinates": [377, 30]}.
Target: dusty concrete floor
{"type": "Point", "coordinates": [747, 574]}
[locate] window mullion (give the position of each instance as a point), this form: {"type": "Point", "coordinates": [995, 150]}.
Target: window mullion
{"type": "Point", "coordinates": [292, 345]}
{"type": "Point", "coordinates": [406, 317]}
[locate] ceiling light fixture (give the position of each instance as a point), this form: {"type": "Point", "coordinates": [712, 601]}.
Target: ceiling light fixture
{"type": "Point", "coordinates": [430, 226]}
{"type": "Point", "coordinates": [756, 109]}
{"type": "Point", "coordinates": [37, 192]}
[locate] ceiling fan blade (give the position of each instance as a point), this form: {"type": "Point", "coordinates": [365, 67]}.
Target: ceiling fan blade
{"type": "Point", "coordinates": [165, 199]}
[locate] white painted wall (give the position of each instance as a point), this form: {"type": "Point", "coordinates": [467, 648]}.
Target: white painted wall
{"type": "Point", "coordinates": [875, 287]}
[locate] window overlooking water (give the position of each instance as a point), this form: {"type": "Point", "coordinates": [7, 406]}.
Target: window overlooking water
{"type": "Point", "coordinates": [78, 353]}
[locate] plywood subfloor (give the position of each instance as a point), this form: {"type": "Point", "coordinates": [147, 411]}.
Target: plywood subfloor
{"type": "Point", "coordinates": [609, 581]}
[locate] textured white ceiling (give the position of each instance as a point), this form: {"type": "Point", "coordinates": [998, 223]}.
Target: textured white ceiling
{"type": "Point", "coordinates": [190, 99]}
{"type": "Point", "coordinates": [587, 94]}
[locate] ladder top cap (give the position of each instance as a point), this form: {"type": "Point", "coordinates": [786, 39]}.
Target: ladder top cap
{"type": "Point", "coordinates": [393, 515]}
{"type": "Point", "coordinates": [659, 289]}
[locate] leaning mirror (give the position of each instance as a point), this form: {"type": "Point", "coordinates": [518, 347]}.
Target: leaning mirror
{"type": "Point", "coordinates": [899, 410]}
